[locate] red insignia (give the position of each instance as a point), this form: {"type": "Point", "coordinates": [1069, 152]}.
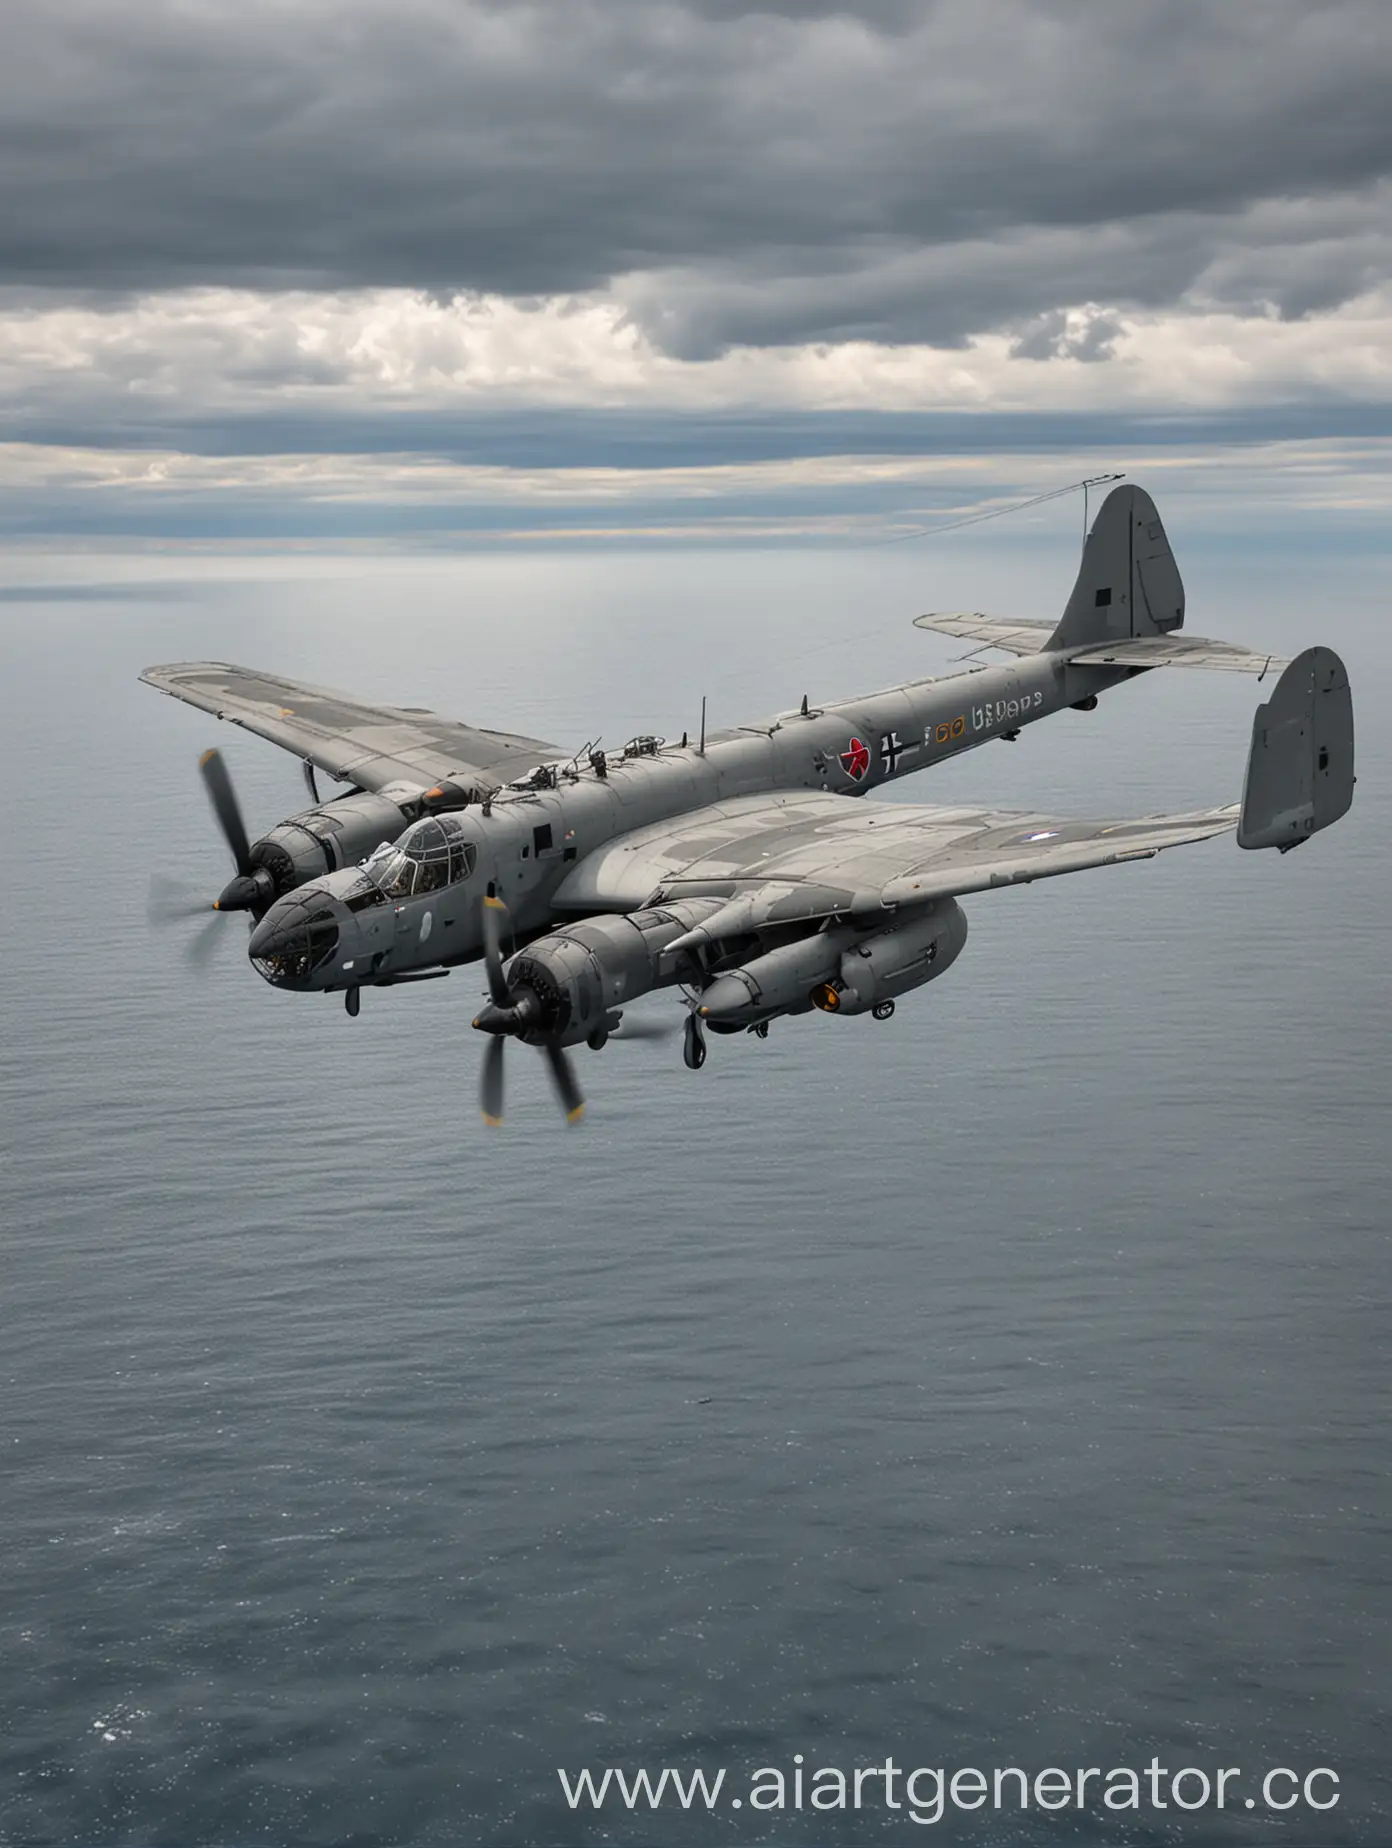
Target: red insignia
{"type": "Point", "coordinates": [856, 760]}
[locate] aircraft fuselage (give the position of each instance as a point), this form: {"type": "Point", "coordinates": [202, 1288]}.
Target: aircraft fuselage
{"type": "Point", "coordinates": [529, 845]}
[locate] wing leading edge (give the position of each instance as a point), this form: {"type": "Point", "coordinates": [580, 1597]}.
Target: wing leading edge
{"type": "Point", "coordinates": [804, 856]}
{"type": "Point", "coordinates": [372, 746]}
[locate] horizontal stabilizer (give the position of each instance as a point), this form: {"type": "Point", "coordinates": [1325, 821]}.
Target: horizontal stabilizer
{"type": "Point", "coordinates": [1021, 638]}
{"type": "Point", "coordinates": [1300, 768]}
{"type": "Point", "coordinates": [1179, 651]}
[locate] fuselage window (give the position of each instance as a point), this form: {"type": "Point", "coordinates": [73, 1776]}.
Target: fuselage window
{"type": "Point", "coordinates": [364, 895]}
{"type": "Point", "coordinates": [401, 877]}
{"type": "Point", "coordinates": [391, 871]}
{"type": "Point", "coordinates": [428, 857]}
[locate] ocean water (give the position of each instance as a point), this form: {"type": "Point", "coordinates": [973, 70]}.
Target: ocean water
{"type": "Point", "coordinates": [1005, 1384]}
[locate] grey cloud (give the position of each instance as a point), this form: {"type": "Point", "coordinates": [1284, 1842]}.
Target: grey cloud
{"type": "Point", "coordinates": [1053, 336]}
{"type": "Point", "coordinates": [888, 171]}
{"type": "Point", "coordinates": [1297, 262]}
{"type": "Point", "coordinates": [943, 292]}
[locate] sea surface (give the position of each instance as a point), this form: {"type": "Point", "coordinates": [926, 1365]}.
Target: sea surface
{"type": "Point", "coordinates": [1005, 1384]}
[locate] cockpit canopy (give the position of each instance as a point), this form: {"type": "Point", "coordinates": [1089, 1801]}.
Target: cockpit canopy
{"type": "Point", "coordinates": [430, 855]}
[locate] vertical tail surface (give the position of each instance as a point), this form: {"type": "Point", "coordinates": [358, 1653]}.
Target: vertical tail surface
{"type": "Point", "coordinates": [1128, 583]}
{"type": "Point", "coordinates": [1300, 768]}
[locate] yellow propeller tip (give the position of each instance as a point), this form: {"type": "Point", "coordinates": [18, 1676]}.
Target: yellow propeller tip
{"type": "Point", "coordinates": [496, 903]}
{"type": "Point", "coordinates": [492, 1122]}
{"type": "Point", "coordinates": [574, 1116]}
{"type": "Point", "coordinates": [206, 757]}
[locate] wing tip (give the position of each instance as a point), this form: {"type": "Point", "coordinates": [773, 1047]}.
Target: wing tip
{"type": "Point", "coordinates": [163, 674]}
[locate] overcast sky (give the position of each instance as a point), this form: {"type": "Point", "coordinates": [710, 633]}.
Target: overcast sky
{"type": "Point", "coordinates": [367, 254]}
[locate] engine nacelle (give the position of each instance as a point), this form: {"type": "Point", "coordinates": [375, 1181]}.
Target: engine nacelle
{"type": "Point", "coordinates": [322, 839]}
{"type": "Point", "coordinates": [582, 973]}
{"type": "Point", "coordinates": [779, 982]}
{"type": "Point", "coordinates": [839, 970]}
{"type": "Point", "coordinates": [889, 963]}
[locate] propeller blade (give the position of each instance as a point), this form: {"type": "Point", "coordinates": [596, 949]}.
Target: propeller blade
{"type": "Point", "coordinates": [198, 952]}
{"type": "Point", "coordinates": [567, 1089]}
{"type": "Point", "coordinates": [491, 1083]}
{"type": "Point", "coordinates": [170, 901]}
{"type": "Point", "coordinates": [308, 767]}
{"type": "Point", "coordinates": [229, 816]}
{"type": "Point", "coordinates": [494, 911]}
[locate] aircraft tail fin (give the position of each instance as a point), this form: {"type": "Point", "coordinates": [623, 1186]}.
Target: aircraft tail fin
{"type": "Point", "coordinates": [1128, 583]}
{"type": "Point", "coordinates": [1300, 767]}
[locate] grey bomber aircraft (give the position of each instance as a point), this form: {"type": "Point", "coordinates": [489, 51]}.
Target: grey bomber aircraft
{"type": "Point", "coordinates": [740, 869]}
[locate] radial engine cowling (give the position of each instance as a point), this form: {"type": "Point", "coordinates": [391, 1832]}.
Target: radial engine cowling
{"type": "Point", "coordinates": [890, 962]}
{"type": "Point", "coordinates": [323, 839]}
{"type": "Point", "coordinates": [580, 975]}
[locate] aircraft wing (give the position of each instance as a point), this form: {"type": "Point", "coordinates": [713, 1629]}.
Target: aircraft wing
{"type": "Point", "coordinates": [1021, 637]}
{"type": "Point", "coordinates": [372, 746]}
{"type": "Point", "coordinates": [811, 854]}
{"type": "Point", "coordinates": [798, 856]}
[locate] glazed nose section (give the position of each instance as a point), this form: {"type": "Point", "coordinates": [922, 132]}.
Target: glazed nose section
{"type": "Point", "coordinates": [294, 945]}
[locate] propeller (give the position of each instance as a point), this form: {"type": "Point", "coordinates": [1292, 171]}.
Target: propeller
{"type": "Point", "coordinates": [198, 952]}
{"type": "Point", "coordinates": [564, 1079]}
{"type": "Point", "coordinates": [494, 911]}
{"type": "Point", "coordinates": [171, 901]}
{"type": "Point", "coordinates": [511, 1013]}
{"type": "Point", "coordinates": [226, 809]}
{"type": "Point", "coordinates": [491, 1083]}
{"type": "Point", "coordinates": [250, 889]}
{"type": "Point", "coordinates": [516, 1010]}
